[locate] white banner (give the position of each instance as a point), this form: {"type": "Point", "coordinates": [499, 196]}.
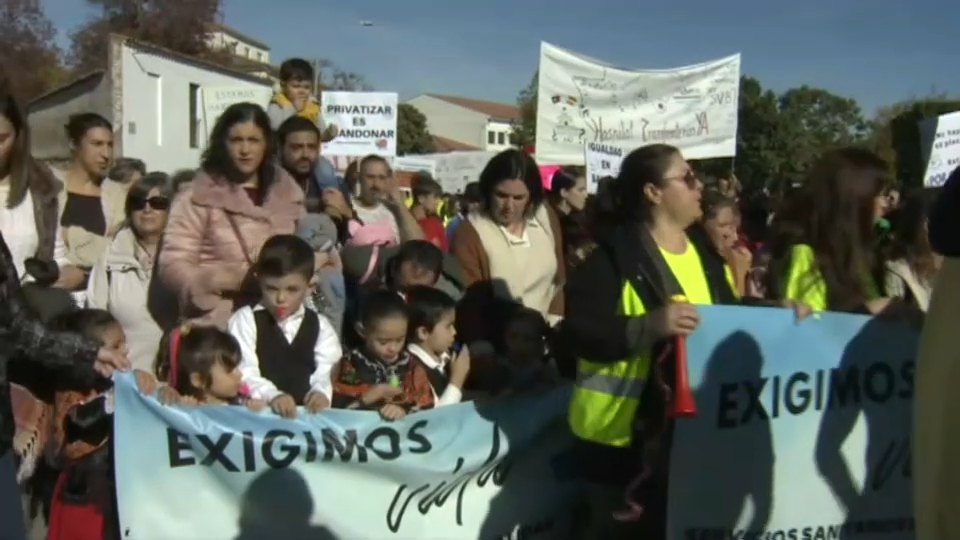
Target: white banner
{"type": "Point", "coordinates": [216, 100]}
{"type": "Point", "coordinates": [416, 164]}
{"type": "Point", "coordinates": [367, 123]}
{"type": "Point", "coordinates": [583, 100]}
{"type": "Point", "coordinates": [941, 139]}
{"type": "Point", "coordinates": [602, 160]}
{"type": "Point", "coordinates": [455, 473]}
{"type": "Point", "coordinates": [454, 170]}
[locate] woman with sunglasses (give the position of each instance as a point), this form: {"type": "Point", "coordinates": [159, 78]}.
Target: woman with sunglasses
{"type": "Point", "coordinates": [121, 280]}
{"type": "Point", "coordinates": [626, 304]}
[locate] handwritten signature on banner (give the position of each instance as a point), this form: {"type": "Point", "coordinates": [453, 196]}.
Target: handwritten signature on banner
{"type": "Point", "coordinates": [460, 472]}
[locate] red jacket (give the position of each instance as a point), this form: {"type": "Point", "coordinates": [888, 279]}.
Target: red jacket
{"type": "Point", "coordinates": [433, 231]}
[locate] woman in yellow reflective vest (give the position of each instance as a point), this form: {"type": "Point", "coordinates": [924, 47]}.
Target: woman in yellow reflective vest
{"type": "Point", "coordinates": [620, 318]}
{"type": "Point", "coordinates": [823, 240]}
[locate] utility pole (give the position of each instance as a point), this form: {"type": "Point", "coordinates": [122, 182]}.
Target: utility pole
{"type": "Point", "coordinates": [316, 77]}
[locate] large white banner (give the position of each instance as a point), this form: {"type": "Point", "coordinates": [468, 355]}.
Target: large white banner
{"type": "Point", "coordinates": [463, 472]}
{"type": "Point", "coordinates": [584, 100]}
{"type": "Point", "coordinates": [941, 140]}
{"type": "Point", "coordinates": [367, 123]}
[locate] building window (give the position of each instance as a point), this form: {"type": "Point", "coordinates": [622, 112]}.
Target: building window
{"type": "Point", "coordinates": [500, 138]}
{"type": "Point", "coordinates": [491, 137]}
{"type": "Point", "coordinates": [194, 115]}
{"type": "Point", "coordinates": [246, 52]}
{"type": "Point", "coordinates": [259, 56]}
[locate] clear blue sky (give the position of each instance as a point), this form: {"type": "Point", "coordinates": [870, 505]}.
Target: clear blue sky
{"type": "Point", "coordinates": [876, 51]}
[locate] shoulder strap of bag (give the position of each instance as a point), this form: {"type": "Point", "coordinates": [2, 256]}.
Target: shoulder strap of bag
{"type": "Point", "coordinates": [236, 232]}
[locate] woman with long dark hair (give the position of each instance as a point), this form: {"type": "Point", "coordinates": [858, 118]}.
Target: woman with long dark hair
{"type": "Point", "coordinates": [28, 201]}
{"type": "Point", "coordinates": [217, 225]}
{"type": "Point", "coordinates": [823, 241]}
{"type": "Point", "coordinates": [568, 195]}
{"type": "Point", "coordinates": [911, 263]}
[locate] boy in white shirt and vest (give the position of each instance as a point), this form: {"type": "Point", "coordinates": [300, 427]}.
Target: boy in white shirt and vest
{"type": "Point", "coordinates": [288, 349]}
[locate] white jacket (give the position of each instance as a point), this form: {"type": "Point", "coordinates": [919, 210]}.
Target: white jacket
{"type": "Point", "coordinates": [119, 284]}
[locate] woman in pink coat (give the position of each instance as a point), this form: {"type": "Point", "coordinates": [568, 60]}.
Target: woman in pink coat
{"type": "Point", "coordinates": [216, 228]}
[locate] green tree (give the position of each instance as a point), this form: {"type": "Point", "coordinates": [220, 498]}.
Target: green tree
{"type": "Point", "coordinates": [760, 144]}
{"type": "Point", "coordinates": [525, 131]}
{"type": "Point", "coordinates": [29, 57]}
{"type": "Point", "coordinates": [812, 121]}
{"type": "Point", "coordinates": [179, 25]}
{"type": "Point", "coordinates": [413, 137]}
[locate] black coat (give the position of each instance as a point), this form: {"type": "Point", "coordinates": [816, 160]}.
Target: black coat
{"type": "Point", "coordinates": [22, 335]}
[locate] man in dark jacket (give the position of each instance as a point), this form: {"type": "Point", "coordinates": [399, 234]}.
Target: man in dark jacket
{"type": "Point", "coordinates": [24, 336]}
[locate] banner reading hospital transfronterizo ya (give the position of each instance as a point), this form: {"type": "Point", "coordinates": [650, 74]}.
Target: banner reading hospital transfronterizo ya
{"type": "Point", "coordinates": [582, 100]}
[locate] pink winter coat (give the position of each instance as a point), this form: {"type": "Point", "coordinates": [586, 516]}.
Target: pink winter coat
{"type": "Point", "coordinates": [205, 255]}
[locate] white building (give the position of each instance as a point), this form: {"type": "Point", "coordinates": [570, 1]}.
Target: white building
{"type": "Point", "coordinates": [474, 123]}
{"type": "Point", "coordinates": [222, 37]}
{"type": "Point", "coordinates": [152, 96]}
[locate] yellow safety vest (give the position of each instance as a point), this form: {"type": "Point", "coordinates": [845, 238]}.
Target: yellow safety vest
{"type": "Point", "coordinates": [606, 395]}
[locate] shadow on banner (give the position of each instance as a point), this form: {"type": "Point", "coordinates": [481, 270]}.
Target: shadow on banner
{"type": "Point", "coordinates": [277, 504]}
{"type": "Point", "coordinates": [882, 392]}
{"type": "Point", "coordinates": [706, 451]}
{"type": "Point", "coordinates": [802, 429]}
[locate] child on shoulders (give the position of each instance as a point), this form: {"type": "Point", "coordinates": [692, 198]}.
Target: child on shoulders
{"type": "Point", "coordinates": [430, 336]}
{"type": "Point", "coordinates": [380, 374]}
{"type": "Point", "coordinates": [288, 351]}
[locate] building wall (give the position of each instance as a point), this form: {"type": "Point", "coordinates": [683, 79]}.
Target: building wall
{"type": "Point", "coordinates": [451, 121]}
{"type": "Point", "coordinates": [222, 40]}
{"type": "Point", "coordinates": [49, 115]}
{"type": "Point", "coordinates": [497, 136]}
{"type": "Point", "coordinates": [163, 107]}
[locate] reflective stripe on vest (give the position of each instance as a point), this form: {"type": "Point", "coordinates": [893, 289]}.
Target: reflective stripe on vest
{"type": "Point", "coordinates": [606, 395]}
{"type": "Point", "coordinates": [608, 383]}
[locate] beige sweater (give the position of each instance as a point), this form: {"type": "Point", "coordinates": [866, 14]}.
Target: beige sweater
{"type": "Point", "coordinates": [936, 413]}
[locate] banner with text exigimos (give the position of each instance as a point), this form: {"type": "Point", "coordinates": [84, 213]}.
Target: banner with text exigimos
{"type": "Point", "coordinates": [802, 430]}
{"type": "Point", "coordinates": [459, 472]}
{"type": "Point", "coordinates": [583, 100]}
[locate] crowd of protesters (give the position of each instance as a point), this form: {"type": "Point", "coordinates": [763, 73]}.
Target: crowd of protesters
{"type": "Point", "coordinates": [263, 279]}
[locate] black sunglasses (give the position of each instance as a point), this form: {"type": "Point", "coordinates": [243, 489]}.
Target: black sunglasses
{"type": "Point", "coordinates": [157, 203]}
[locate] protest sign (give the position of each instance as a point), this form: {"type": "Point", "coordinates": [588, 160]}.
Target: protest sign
{"type": "Point", "coordinates": [583, 100]}
{"type": "Point", "coordinates": [216, 100]}
{"type": "Point", "coordinates": [802, 430]}
{"type": "Point", "coordinates": [941, 146]}
{"type": "Point", "coordinates": [457, 472]}
{"type": "Point", "coordinates": [602, 160]}
{"type": "Point", "coordinates": [415, 164]}
{"type": "Point", "coordinates": [367, 122]}
{"type": "Point", "coordinates": [457, 169]}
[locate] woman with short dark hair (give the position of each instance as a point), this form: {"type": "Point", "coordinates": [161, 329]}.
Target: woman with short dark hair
{"type": "Point", "coordinates": [512, 248]}
{"type": "Point", "coordinates": [217, 225]}
{"type": "Point", "coordinates": [121, 280]}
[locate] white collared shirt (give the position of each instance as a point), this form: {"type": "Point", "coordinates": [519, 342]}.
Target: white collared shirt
{"type": "Point", "coordinates": [327, 351]}
{"type": "Point", "coordinates": [452, 395]}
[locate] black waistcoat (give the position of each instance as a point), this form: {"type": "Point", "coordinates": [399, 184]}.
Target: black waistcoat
{"type": "Point", "coordinates": [287, 365]}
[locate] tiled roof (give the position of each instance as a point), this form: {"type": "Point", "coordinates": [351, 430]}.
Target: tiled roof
{"type": "Point", "coordinates": [498, 111]}
{"type": "Point", "coordinates": [443, 144]}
